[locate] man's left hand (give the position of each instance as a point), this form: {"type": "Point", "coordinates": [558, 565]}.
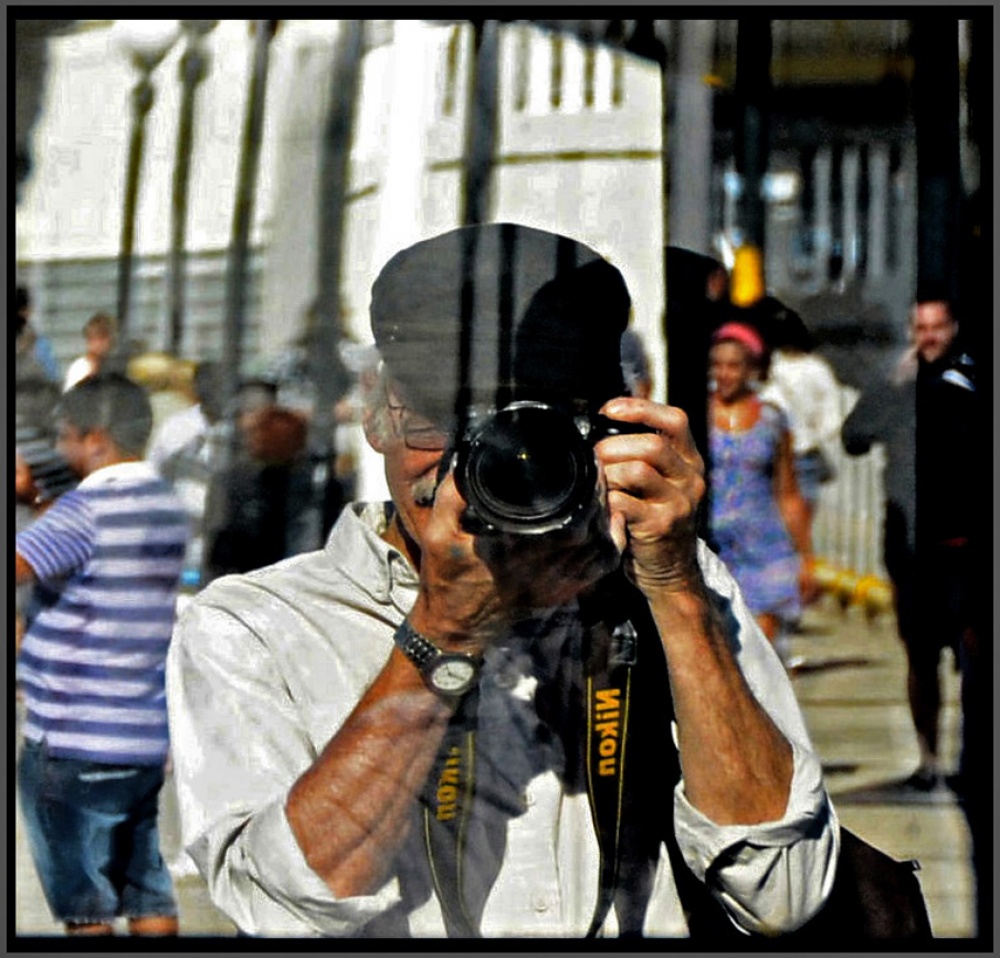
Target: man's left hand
{"type": "Point", "coordinates": [655, 482]}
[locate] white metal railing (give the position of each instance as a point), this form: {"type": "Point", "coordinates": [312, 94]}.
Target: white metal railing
{"type": "Point", "coordinates": [847, 531]}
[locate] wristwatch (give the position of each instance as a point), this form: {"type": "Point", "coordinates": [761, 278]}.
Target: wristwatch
{"type": "Point", "coordinates": [449, 674]}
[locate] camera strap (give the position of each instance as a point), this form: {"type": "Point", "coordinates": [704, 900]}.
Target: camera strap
{"type": "Point", "coordinates": [447, 807]}
{"type": "Point", "coordinates": [609, 659]}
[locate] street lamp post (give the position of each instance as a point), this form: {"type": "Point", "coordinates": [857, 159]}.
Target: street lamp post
{"type": "Point", "coordinates": [145, 43]}
{"type": "Point", "coordinates": [193, 69]}
{"type": "Point", "coordinates": [481, 119]}
{"type": "Point", "coordinates": [753, 99]}
{"type": "Point", "coordinates": [326, 369]}
{"type": "Point", "coordinates": [239, 252]}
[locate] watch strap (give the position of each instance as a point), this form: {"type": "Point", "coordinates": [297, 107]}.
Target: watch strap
{"type": "Point", "coordinates": [416, 647]}
{"type": "Point", "coordinates": [423, 653]}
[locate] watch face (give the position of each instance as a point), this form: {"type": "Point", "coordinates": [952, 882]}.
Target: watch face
{"type": "Point", "coordinates": [453, 674]}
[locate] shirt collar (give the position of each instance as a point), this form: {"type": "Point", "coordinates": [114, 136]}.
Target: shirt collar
{"type": "Point", "coordinates": [119, 470]}
{"type": "Point", "coordinates": [356, 547]}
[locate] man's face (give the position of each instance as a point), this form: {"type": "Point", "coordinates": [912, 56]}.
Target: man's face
{"type": "Point", "coordinates": [412, 448]}
{"type": "Point", "coordinates": [99, 344]}
{"type": "Point", "coordinates": [933, 330]}
{"type": "Point", "coordinates": [72, 446]}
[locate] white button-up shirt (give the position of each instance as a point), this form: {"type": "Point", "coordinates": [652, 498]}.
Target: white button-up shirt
{"type": "Point", "coordinates": [265, 668]}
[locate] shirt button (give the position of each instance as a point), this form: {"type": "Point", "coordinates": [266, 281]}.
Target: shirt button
{"type": "Point", "coordinates": [528, 798]}
{"type": "Point", "coordinates": [541, 903]}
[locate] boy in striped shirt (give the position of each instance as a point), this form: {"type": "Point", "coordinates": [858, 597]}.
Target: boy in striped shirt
{"type": "Point", "coordinates": [92, 668]}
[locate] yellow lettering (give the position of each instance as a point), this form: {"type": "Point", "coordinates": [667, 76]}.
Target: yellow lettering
{"type": "Point", "coordinates": [447, 792]}
{"type": "Point", "coordinates": [607, 705]}
{"type": "Point", "coordinates": [607, 699]}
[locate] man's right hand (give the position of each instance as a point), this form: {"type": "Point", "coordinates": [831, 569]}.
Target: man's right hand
{"type": "Point", "coordinates": [458, 605]}
{"type": "Point", "coordinates": [473, 587]}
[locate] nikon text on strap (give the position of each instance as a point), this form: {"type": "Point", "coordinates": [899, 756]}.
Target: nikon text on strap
{"type": "Point", "coordinates": [611, 654]}
{"type": "Point", "coordinates": [609, 698]}
{"type": "Point", "coordinates": [446, 817]}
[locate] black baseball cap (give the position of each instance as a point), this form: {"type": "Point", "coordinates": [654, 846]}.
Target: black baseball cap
{"type": "Point", "coordinates": [486, 314]}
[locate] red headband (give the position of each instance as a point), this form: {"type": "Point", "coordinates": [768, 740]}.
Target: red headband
{"type": "Point", "coordinates": [745, 335]}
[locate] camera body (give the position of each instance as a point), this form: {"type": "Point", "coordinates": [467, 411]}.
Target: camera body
{"type": "Point", "coordinates": [528, 468]}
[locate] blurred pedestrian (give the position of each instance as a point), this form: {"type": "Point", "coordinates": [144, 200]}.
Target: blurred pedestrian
{"type": "Point", "coordinates": [757, 515]}
{"type": "Point", "coordinates": [30, 342]}
{"type": "Point", "coordinates": [188, 450]}
{"type": "Point", "coordinates": [92, 669]}
{"type": "Point", "coordinates": [257, 506]}
{"type": "Point", "coordinates": [189, 426]}
{"type": "Point", "coordinates": [99, 338]}
{"type": "Point", "coordinates": [41, 474]}
{"type": "Point", "coordinates": [35, 393]}
{"type": "Point", "coordinates": [802, 384]}
{"type": "Point", "coordinates": [924, 413]}
{"type": "Point", "coordinates": [314, 376]}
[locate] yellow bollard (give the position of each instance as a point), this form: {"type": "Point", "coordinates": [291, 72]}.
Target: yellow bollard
{"type": "Point", "coordinates": [845, 585]}
{"type": "Point", "coordinates": [874, 595]}
{"type": "Point", "coordinates": [825, 575]}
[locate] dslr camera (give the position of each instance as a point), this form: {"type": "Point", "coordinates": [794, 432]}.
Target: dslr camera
{"type": "Point", "coordinates": [528, 468]}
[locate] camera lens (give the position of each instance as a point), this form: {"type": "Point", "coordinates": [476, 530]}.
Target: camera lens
{"type": "Point", "coordinates": [528, 469]}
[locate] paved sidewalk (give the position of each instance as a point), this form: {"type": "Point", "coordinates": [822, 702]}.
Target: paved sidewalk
{"type": "Point", "coordinates": [852, 689]}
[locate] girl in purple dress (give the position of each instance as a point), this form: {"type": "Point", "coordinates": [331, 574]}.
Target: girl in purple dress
{"type": "Point", "coordinates": [758, 518]}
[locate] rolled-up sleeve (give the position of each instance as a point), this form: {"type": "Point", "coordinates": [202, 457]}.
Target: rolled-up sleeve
{"type": "Point", "coordinates": [238, 745]}
{"type": "Point", "coordinates": [771, 877]}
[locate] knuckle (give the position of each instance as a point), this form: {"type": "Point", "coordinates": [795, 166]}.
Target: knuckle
{"type": "Point", "coordinates": [680, 417]}
{"type": "Point", "coordinates": [698, 488]}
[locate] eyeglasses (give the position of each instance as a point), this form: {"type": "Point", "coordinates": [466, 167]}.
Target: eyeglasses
{"type": "Point", "coordinates": [417, 431]}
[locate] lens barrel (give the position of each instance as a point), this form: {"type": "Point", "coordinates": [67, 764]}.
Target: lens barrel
{"type": "Point", "coordinates": [526, 469]}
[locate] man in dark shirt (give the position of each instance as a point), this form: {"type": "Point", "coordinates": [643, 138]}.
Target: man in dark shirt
{"type": "Point", "coordinates": [924, 413]}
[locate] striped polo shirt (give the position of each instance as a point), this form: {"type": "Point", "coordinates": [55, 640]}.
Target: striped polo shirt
{"type": "Point", "coordinates": [92, 663]}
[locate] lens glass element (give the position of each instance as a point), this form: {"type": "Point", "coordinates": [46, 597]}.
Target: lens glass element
{"type": "Point", "coordinates": [528, 469]}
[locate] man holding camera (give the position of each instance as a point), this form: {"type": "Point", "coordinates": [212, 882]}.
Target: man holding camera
{"type": "Point", "coordinates": [463, 716]}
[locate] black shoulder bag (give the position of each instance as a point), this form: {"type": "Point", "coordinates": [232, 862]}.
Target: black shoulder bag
{"type": "Point", "coordinates": [874, 896]}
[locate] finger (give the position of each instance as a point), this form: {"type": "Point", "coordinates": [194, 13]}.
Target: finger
{"type": "Point", "coordinates": [667, 477]}
{"type": "Point", "coordinates": [619, 530]}
{"type": "Point", "coordinates": [445, 525]}
{"type": "Point", "coordinates": [652, 517]}
{"type": "Point", "coordinates": [657, 449]}
{"type": "Point", "coordinates": [643, 480]}
{"type": "Point", "coordinates": [669, 421]}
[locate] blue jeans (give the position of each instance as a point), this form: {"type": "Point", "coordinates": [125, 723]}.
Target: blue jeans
{"type": "Point", "coordinates": [93, 836]}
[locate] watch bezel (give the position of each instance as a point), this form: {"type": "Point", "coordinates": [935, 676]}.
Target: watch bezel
{"type": "Point", "coordinates": [432, 670]}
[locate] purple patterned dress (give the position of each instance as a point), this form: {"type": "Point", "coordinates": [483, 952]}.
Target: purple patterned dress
{"type": "Point", "coordinates": [746, 524]}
